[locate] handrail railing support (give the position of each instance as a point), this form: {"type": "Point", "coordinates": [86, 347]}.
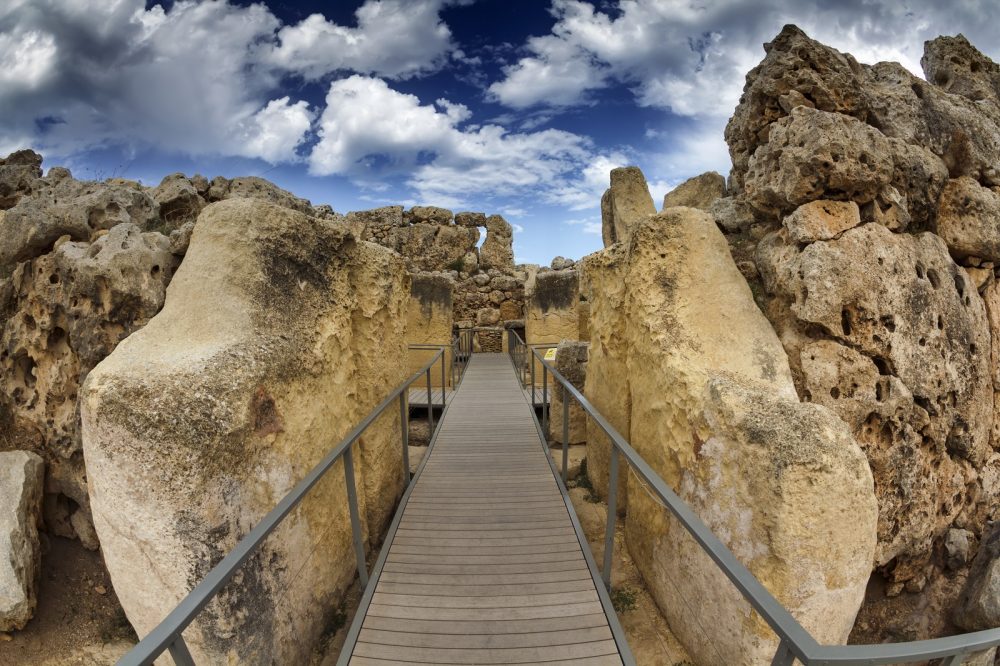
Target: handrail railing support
{"type": "Point", "coordinates": [352, 503]}
{"type": "Point", "coordinates": [784, 656]}
{"type": "Point", "coordinates": [609, 532]}
{"type": "Point", "coordinates": [430, 405]}
{"type": "Point", "coordinates": [404, 426]}
{"type": "Point", "coordinates": [179, 652]}
{"type": "Point", "coordinates": [565, 442]}
{"type": "Point", "coordinates": [545, 400]}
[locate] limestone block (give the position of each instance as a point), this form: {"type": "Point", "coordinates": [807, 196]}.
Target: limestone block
{"type": "Point", "coordinates": [698, 192]}
{"type": "Point", "coordinates": [969, 219]}
{"type": "Point", "coordinates": [21, 474]}
{"type": "Point", "coordinates": [821, 220]}
{"type": "Point", "coordinates": [279, 333]}
{"type": "Point", "coordinates": [430, 321]}
{"type": "Point", "coordinates": [178, 199]}
{"type": "Point", "coordinates": [603, 281]}
{"type": "Point", "coordinates": [625, 203]}
{"type": "Point", "coordinates": [715, 413]}
{"type": "Point", "coordinates": [979, 606]}
{"type": "Point", "coordinates": [497, 251]}
{"type": "Point", "coordinates": [571, 363]}
{"type": "Point", "coordinates": [915, 384]}
{"type": "Point", "coordinates": [958, 67]}
{"type": "Point", "coordinates": [814, 154]}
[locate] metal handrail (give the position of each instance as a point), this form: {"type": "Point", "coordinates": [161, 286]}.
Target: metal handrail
{"type": "Point", "coordinates": [167, 636]}
{"type": "Point", "coordinates": [795, 641]}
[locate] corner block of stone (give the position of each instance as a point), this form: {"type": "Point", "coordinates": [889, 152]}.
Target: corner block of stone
{"type": "Point", "coordinates": [822, 220]}
{"type": "Point", "coordinates": [21, 487]}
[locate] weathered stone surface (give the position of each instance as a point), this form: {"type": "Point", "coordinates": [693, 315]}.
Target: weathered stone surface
{"type": "Point", "coordinates": [821, 220]}
{"type": "Point", "coordinates": [732, 214]}
{"type": "Point", "coordinates": [969, 219]}
{"type": "Point", "coordinates": [956, 66]}
{"type": "Point", "coordinates": [66, 207]}
{"type": "Point", "coordinates": [433, 247]}
{"type": "Point", "coordinates": [979, 606]}
{"type": "Point", "coordinates": [714, 411]}
{"type": "Point", "coordinates": [200, 422]}
{"type": "Point", "coordinates": [698, 192]}
{"type": "Point", "coordinates": [470, 219]}
{"type": "Point", "coordinates": [430, 214]}
{"type": "Point", "coordinates": [906, 368]}
{"type": "Point", "coordinates": [21, 475]}
{"type": "Point", "coordinates": [178, 199]}
{"type": "Point", "coordinates": [497, 250]}
{"type": "Point", "coordinates": [429, 321]}
{"type": "Point", "coordinates": [551, 308]}
{"type": "Point", "coordinates": [571, 363]}
{"type": "Point", "coordinates": [561, 263]}
{"type": "Point", "coordinates": [624, 204]}
{"type": "Point", "coordinates": [65, 312]}
{"type": "Point", "coordinates": [253, 187]}
{"type": "Point", "coordinates": [957, 544]}
{"type": "Point", "coordinates": [603, 281]}
{"type": "Point", "coordinates": [797, 71]}
{"type": "Point", "coordinates": [963, 133]}
{"type": "Point", "coordinates": [919, 176]}
{"type": "Point", "coordinates": [18, 172]}
{"type": "Point", "coordinates": [814, 154]}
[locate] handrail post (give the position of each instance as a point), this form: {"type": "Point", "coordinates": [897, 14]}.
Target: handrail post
{"type": "Point", "coordinates": [444, 358]}
{"type": "Point", "coordinates": [784, 656]}
{"type": "Point", "coordinates": [565, 441]}
{"type": "Point", "coordinates": [352, 503]}
{"type": "Point", "coordinates": [404, 426]}
{"type": "Point", "coordinates": [609, 532]}
{"type": "Point", "coordinates": [545, 398]}
{"type": "Point", "coordinates": [430, 405]}
{"type": "Point", "coordinates": [179, 652]}
{"type": "Point", "coordinates": [532, 356]}
{"type": "Point", "coordinates": [953, 660]}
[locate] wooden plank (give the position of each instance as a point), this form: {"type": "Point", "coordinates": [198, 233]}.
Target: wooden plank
{"type": "Point", "coordinates": [532, 655]}
{"type": "Point", "coordinates": [485, 567]}
{"type": "Point", "coordinates": [534, 639]}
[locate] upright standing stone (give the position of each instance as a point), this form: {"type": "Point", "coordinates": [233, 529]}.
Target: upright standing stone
{"type": "Point", "coordinates": [279, 333]}
{"type": "Point", "coordinates": [429, 322]}
{"type": "Point", "coordinates": [21, 476]}
{"type": "Point", "coordinates": [624, 204]}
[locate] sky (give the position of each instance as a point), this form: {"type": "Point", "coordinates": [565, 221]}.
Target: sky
{"type": "Point", "coordinates": [516, 107]}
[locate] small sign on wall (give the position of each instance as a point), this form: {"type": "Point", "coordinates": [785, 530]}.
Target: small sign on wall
{"type": "Point", "coordinates": [550, 354]}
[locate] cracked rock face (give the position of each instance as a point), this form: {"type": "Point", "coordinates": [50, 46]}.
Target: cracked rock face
{"type": "Point", "coordinates": [890, 333]}
{"type": "Point", "coordinates": [66, 311]}
{"type": "Point", "coordinates": [887, 315]}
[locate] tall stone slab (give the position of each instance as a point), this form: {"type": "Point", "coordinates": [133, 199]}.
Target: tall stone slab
{"type": "Point", "coordinates": [429, 321]}
{"type": "Point", "coordinates": [714, 412]}
{"type": "Point", "coordinates": [278, 334]}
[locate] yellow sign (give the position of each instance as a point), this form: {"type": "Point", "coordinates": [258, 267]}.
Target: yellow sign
{"type": "Point", "coordinates": [550, 354]}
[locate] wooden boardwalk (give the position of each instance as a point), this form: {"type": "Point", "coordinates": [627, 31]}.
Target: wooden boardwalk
{"type": "Point", "coordinates": [485, 566]}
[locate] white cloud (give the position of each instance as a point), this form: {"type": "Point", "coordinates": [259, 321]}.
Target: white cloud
{"type": "Point", "coordinates": [691, 58]}
{"type": "Point", "coordinates": [393, 38]}
{"type": "Point", "coordinates": [275, 132]}
{"type": "Point", "coordinates": [587, 225]}
{"type": "Point", "coordinates": [368, 128]}
{"type": "Point", "coordinates": [199, 78]}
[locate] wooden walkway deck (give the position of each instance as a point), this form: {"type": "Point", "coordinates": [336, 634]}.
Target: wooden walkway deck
{"type": "Point", "coordinates": [485, 566]}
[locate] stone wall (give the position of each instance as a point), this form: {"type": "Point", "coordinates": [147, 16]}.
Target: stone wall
{"type": "Point", "coordinates": [571, 363]}
{"type": "Point", "coordinates": [199, 423]}
{"type": "Point", "coordinates": [429, 322]}
{"type": "Point", "coordinates": [862, 210]}
{"type": "Point", "coordinates": [712, 408]}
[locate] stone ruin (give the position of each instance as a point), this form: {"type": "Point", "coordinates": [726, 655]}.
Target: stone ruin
{"type": "Point", "coordinates": [806, 351]}
{"type": "Point", "coordinates": [839, 293]}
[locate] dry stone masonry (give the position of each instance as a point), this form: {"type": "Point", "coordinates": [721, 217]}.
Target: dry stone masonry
{"type": "Point", "coordinates": [870, 246]}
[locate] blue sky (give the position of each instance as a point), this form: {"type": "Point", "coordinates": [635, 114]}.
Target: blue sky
{"type": "Point", "coordinates": [514, 107]}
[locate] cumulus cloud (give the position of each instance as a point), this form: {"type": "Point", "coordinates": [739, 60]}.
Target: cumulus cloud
{"type": "Point", "coordinates": [368, 128]}
{"type": "Point", "coordinates": [198, 78]}
{"type": "Point", "coordinates": [691, 57]}
{"type": "Point", "coordinates": [393, 38]}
